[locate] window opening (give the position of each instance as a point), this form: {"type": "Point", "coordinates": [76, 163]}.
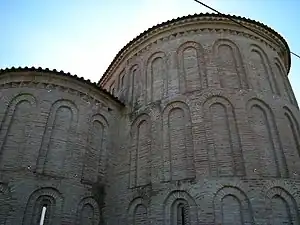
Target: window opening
{"type": "Point", "coordinates": [182, 215]}
{"type": "Point", "coordinates": [43, 215]}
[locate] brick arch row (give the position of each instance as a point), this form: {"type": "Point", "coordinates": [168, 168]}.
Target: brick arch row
{"type": "Point", "coordinates": [230, 205]}
{"type": "Point", "coordinates": [162, 74]}
{"type": "Point", "coordinates": [87, 211]}
{"type": "Point", "coordinates": [222, 138]}
{"type": "Point", "coordinates": [19, 128]}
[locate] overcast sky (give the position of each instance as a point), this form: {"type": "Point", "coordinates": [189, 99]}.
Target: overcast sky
{"type": "Point", "coordinates": [83, 36]}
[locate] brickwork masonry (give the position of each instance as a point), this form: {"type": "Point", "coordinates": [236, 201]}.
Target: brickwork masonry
{"type": "Point", "coordinates": [204, 129]}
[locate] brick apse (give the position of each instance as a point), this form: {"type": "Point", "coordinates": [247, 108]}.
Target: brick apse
{"type": "Point", "coordinates": [194, 122]}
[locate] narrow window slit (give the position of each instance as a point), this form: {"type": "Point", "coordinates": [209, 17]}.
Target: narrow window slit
{"type": "Point", "coordinates": [182, 216]}
{"type": "Point", "coordinates": [43, 215]}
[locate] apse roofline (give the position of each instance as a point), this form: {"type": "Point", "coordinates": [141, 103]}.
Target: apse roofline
{"type": "Point", "coordinates": [60, 73]}
{"type": "Point", "coordinates": [183, 19]}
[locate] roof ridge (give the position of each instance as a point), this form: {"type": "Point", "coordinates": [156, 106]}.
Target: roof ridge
{"type": "Point", "coordinates": [61, 73]}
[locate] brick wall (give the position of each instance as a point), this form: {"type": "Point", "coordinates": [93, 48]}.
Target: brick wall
{"type": "Point", "coordinates": [54, 140]}
{"type": "Point", "coordinates": [210, 133]}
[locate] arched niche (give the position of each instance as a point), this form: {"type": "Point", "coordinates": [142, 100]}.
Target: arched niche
{"type": "Point", "coordinates": [88, 212]}
{"type": "Point", "coordinates": [281, 207]}
{"type": "Point", "coordinates": [266, 139]}
{"type": "Point", "coordinates": [94, 162]}
{"type": "Point", "coordinates": [224, 145]}
{"type": "Point", "coordinates": [135, 76]}
{"type": "Point", "coordinates": [138, 212]}
{"type": "Point", "coordinates": [140, 152]}
{"type": "Point", "coordinates": [178, 147]}
{"type": "Point", "coordinates": [262, 77]}
{"type": "Point", "coordinates": [294, 130]}
{"type": "Point", "coordinates": [15, 129]}
{"type": "Point", "coordinates": [230, 62]}
{"type": "Point", "coordinates": [157, 76]}
{"type": "Point", "coordinates": [232, 206]}
{"type": "Point", "coordinates": [192, 68]}
{"type": "Point", "coordinates": [180, 209]}
{"type": "Point", "coordinates": [61, 123]}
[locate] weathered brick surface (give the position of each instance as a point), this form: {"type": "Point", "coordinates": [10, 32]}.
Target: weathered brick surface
{"type": "Point", "coordinates": [209, 134]}
{"type": "Point", "coordinates": [49, 154]}
{"type": "Point", "coordinates": [224, 128]}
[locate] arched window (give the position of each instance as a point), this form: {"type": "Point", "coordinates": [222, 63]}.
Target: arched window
{"type": "Point", "coordinates": [180, 209]}
{"type": "Point", "coordinates": [43, 211]}
{"type": "Point", "coordinates": [44, 207]}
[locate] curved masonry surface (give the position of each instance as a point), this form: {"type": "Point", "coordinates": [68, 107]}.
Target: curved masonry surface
{"type": "Point", "coordinates": [54, 147]}
{"type": "Point", "coordinates": [204, 129]}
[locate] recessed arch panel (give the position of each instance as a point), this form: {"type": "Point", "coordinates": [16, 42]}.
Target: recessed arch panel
{"type": "Point", "coordinates": [62, 120]}
{"type": "Point", "coordinates": [178, 142]}
{"type": "Point", "coordinates": [267, 143]}
{"type": "Point", "coordinates": [232, 206]}
{"type": "Point", "coordinates": [140, 154]}
{"type": "Point", "coordinates": [192, 69]}
{"type": "Point", "coordinates": [95, 155]}
{"type": "Point", "coordinates": [157, 76]}
{"type": "Point", "coordinates": [230, 63]}
{"type": "Point", "coordinates": [15, 130]}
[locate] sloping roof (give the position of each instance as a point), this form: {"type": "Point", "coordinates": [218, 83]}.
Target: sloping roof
{"type": "Point", "coordinates": [196, 16]}
{"type": "Point", "coordinates": [60, 73]}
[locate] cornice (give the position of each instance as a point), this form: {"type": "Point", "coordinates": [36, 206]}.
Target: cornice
{"type": "Point", "coordinates": [62, 74]}
{"type": "Point", "coordinates": [277, 39]}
